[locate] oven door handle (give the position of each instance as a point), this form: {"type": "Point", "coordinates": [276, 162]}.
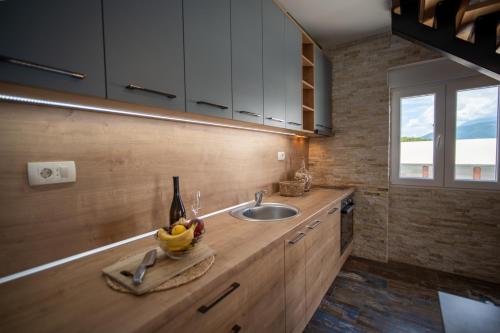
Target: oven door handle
{"type": "Point", "coordinates": [347, 210]}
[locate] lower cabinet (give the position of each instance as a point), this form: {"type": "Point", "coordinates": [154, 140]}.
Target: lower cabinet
{"type": "Point", "coordinates": [312, 255]}
{"type": "Point", "coordinates": [252, 301]}
{"type": "Point", "coordinates": [279, 290]}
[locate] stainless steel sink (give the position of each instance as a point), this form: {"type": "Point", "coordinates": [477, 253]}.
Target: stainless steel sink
{"type": "Point", "coordinates": [266, 212]}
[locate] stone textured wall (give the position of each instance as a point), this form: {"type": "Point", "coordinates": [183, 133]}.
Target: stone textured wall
{"type": "Point", "coordinates": [451, 230]}
{"type": "Point", "coordinates": [358, 153]}
{"type": "Point", "coordinates": [445, 229]}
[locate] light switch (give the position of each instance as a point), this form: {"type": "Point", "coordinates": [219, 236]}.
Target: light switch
{"type": "Point", "coordinates": [281, 156]}
{"type": "Point", "coordinates": [44, 173]}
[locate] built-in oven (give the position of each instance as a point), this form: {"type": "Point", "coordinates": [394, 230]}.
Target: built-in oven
{"type": "Point", "coordinates": [346, 223]}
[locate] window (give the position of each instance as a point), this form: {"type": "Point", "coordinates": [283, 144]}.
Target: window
{"type": "Point", "coordinates": [472, 138]}
{"type": "Point", "coordinates": [417, 129]}
{"type": "Point", "coordinates": [446, 134]}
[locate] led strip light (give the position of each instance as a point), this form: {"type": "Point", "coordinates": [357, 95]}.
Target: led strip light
{"type": "Point", "coordinates": [81, 107]}
{"type": "Point", "coordinates": [59, 262]}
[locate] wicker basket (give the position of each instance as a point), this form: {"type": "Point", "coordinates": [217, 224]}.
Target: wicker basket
{"type": "Point", "coordinates": [292, 188]}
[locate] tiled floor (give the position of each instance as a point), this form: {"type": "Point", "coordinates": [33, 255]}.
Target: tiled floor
{"type": "Point", "coordinates": [369, 296]}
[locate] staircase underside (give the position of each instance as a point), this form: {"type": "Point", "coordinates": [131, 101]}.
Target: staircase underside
{"type": "Point", "coordinates": [466, 32]}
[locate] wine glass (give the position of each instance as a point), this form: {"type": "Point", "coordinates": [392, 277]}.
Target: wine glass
{"type": "Point", "coordinates": [195, 205]}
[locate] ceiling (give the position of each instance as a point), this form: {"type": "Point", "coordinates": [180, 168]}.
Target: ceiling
{"type": "Point", "coordinates": [333, 22]}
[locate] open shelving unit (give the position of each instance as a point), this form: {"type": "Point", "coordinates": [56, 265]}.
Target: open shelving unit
{"type": "Point", "coordinates": [307, 83]}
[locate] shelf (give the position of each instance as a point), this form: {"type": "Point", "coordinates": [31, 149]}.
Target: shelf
{"type": "Point", "coordinates": [307, 85]}
{"type": "Point", "coordinates": [306, 62]}
{"type": "Point", "coordinates": [307, 108]}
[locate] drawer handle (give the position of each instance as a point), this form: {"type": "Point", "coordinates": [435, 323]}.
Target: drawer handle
{"type": "Point", "coordinates": [275, 119]}
{"type": "Point", "coordinates": [315, 224]}
{"type": "Point", "coordinates": [319, 125]}
{"type": "Point", "coordinates": [222, 107]}
{"type": "Point", "coordinates": [33, 65]}
{"type": "Point", "coordinates": [294, 123]}
{"type": "Point", "coordinates": [136, 87]}
{"type": "Point", "coordinates": [249, 113]}
{"type": "Point", "coordinates": [333, 211]}
{"type": "Point", "coordinates": [297, 238]}
{"type": "Point", "coordinates": [230, 289]}
{"type": "Point", "coordinates": [235, 329]}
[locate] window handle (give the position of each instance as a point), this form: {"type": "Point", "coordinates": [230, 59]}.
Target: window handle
{"type": "Point", "coordinates": [438, 141]}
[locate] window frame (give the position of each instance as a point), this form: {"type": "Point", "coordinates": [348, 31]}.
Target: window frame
{"type": "Point", "coordinates": [439, 126]}
{"type": "Point", "coordinates": [452, 87]}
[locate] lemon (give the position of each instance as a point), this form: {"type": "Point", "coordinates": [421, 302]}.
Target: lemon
{"type": "Point", "coordinates": [178, 229]}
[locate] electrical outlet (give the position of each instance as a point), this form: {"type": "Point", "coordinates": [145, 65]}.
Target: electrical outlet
{"type": "Point", "coordinates": [281, 156]}
{"type": "Point", "coordinates": [44, 173]}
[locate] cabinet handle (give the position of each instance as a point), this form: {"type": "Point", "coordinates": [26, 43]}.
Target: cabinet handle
{"type": "Point", "coordinates": [33, 65]}
{"type": "Point", "coordinates": [275, 119]}
{"type": "Point", "coordinates": [222, 107]}
{"type": "Point", "coordinates": [319, 125]}
{"type": "Point", "coordinates": [230, 289]}
{"type": "Point", "coordinates": [249, 113]}
{"type": "Point", "coordinates": [297, 238]}
{"type": "Point", "coordinates": [330, 212]}
{"type": "Point", "coordinates": [235, 329]}
{"type": "Point", "coordinates": [314, 225]}
{"type": "Point", "coordinates": [294, 123]}
{"type": "Point", "coordinates": [136, 87]}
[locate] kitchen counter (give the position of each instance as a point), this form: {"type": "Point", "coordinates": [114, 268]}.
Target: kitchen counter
{"type": "Point", "coordinates": [74, 296]}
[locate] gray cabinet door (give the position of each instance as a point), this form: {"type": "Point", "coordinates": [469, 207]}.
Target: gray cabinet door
{"type": "Point", "coordinates": [322, 93]}
{"type": "Point", "coordinates": [61, 39]}
{"type": "Point", "coordinates": [207, 48]}
{"type": "Point", "coordinates": [273, 64]}
{"type": "Point", "coordinates": [293, 75]}
{"type": "Point", "coordinates": [246, 45]}
{"type": "Point", "coordinates": [144, 49]}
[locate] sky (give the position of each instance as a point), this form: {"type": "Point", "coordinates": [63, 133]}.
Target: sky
{"type": "Point", "coordinates": [417, 113]}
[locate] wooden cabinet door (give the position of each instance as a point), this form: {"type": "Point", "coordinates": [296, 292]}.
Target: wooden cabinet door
{"type": "Point", "coordinates": [295, 282]}
{"type": "Point", "coordinates": [263, 282]}
{"type": "Point", "coordinates": [207, 48]}
{"type": "Point", "coordinates": [144, 52]}
{"type": "Point", "coordinates": [246, 46]}
{"type": "Point", "coordinates": [333, 245]}
{"type": "Point", "coordinates": [219, 311]}
{"type": "Point", "coordinates": [273, 64]}
{"type": "Point", "coordinates": [317, 260]}
{"type": "Point", "coordinates": [293, 75]}
{"type": "Point", "coordinates": [251, 301]}
{"type": "Point", "coordinates": [322, 93]}
{"type": "Point", "coordinates": [54, 44]}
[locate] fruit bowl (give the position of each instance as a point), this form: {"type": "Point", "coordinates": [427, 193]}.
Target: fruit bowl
{"type": "Point", "coordinates": [180, 239]}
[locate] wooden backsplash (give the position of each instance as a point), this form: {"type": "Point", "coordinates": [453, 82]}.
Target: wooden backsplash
{"type": "Point", "coordinates": [124, 176]}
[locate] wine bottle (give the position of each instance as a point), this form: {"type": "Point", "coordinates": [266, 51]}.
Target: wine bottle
{"type": "Point", "coordinates": [177, 209]}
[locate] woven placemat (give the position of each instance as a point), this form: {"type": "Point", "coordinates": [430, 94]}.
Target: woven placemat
{"type": "Point", "coordinates": [191, 274]}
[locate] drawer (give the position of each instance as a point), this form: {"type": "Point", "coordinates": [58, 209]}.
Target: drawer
{"type": "Point", "coordinates": [219, 311]}
{"type": "Point", "coordinates": [253, 300]}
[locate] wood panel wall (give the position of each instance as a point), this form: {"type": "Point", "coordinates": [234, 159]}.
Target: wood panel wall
{"type": "Point", "coordinates": [124, 176]}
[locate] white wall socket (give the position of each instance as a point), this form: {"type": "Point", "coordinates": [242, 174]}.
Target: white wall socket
{"type": "Point", "coordinates": [281, 156]}
{"type": "Point", "coordinates": [44, 173]}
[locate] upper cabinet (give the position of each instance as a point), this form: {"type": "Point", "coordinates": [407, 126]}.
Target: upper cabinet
{"type": "Point", "coordinates": [322, 93]}
{"type": "Point", "coordinates": [246, 46]}
{"type": "Point", "coordinates": [144, 52]}
{"type": "Point", "coordinates": [293, 75]}
{"type": "Point", "coordinates": [207, 48]}
{"type": "Point", "coordinates": [53, 44]}
{"type": "Point", "coordinates": [273, 63]}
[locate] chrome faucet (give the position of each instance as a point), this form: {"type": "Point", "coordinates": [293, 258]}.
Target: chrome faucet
{"type": "Point", "coordinates": [258, 197]}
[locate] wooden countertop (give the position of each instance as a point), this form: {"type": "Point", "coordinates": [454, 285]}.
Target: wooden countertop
{"type": "Point", "coordinates": [74, 296]}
